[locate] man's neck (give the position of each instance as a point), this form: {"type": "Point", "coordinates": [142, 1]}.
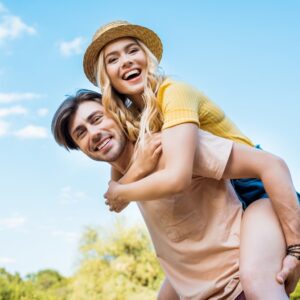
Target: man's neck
{"type": "Point", "coordinates": [124, 160]}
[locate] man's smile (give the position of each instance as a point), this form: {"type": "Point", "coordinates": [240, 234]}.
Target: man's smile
{"type": "Point", "coordinates": [102, 144]}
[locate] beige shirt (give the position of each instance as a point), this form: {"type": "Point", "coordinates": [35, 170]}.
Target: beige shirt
{"type": "Point", "coordinates": [196, 233]}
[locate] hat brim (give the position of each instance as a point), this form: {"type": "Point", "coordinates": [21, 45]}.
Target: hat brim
{"type": "Point", "coordinates": [147, 36]}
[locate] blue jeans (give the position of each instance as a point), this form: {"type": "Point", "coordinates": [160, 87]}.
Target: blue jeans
{"type": "Point", "coordinates": [250, 189]}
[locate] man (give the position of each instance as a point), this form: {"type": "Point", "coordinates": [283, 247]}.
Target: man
{"type": "Point", "coordinates": [195, 233]}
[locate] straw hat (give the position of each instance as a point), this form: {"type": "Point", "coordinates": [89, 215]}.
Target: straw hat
{"type": "Point", "coordinates": [113, 31]}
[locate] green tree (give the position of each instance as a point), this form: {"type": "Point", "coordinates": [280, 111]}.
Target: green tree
{"type": "Point", "coordinates": [116, 265]}
{"type": "Point", "coordinates": [44, 285]}
{"type": "Point", "coordinates": [54, 285]}
{"type": "Point", "coordinates": [12, 287]}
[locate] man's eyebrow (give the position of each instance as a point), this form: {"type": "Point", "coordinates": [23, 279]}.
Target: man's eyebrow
{"type": "Point", "coordinates": [88, 120]}
{"type": "Point", "coordinates": [90, 117]}
{"type": "Point", "coordinates": [125, 48]}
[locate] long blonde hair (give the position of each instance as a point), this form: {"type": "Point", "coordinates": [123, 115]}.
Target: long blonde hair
{"type": "Point", "coordinates": [135, 124]}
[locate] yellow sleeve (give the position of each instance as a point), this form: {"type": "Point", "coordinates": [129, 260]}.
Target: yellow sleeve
{"type": "Point", "coordinates": [179, 104]}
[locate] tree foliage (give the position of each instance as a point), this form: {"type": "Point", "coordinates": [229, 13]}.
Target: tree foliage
{"type": "Point", "coordinates": [34, 286]}
{"type": "Point", "coordinates": [114, 265]}
{"type": "Point", "coordinates": [117, 265]}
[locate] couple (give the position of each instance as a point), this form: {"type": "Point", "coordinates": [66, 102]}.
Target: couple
{"type": "Point", "coordinates": [195, 221]}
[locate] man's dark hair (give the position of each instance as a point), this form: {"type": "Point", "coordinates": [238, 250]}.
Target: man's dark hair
{"type": "Point", "coordinates": [61, 118]}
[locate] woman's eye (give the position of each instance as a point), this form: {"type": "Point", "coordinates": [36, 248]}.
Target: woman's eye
{"type": "Point", "coordinates": [133, 50]}
{"type": "Point", "coordinates": [112, 60]}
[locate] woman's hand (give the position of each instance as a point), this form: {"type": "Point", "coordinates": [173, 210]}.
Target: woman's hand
{"type": "Point", "coordinates": [144, 163]}
{"type": "Point", "coordinates": [113, 199]}
{"type": "Point", "coordinates": [148, 154]}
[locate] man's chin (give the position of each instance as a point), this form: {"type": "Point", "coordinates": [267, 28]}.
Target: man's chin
{"type": "Point", "coordinates": [108, 158]}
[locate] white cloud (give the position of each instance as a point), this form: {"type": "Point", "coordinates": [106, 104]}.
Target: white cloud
{"type": "Point", "coordinates": [42, 112]}
{"type": "Point", "coordinates": [4, 128]}
{"type": "Point", "coordinates": [69, 196]}
{"type": "Point", "coordinates": [12, 27]}
{"type": "Point", "coordinates": [14, 110]}
{"type": "Point", "coordinates": [17, 97]}
{"type": "Point", "coordinates": [32, 132]}
{"type": "Point", "coordinates": [69, 237]}
{"type": "Point", "coordinates": [13, 222]}
{"type": "Point", "coordinates": [72, 47]}
{"type": "Point", "coordinates": [7, 261]}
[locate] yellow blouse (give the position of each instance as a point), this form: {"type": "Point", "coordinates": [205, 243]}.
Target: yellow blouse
{"type": "Point", "coordinates": [181, 103]}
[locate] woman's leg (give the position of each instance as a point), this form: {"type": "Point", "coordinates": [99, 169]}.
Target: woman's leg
{"type": "Point", "coordinates": [262, 251]}
{"type": "Point", "coordinates": [167, 292]}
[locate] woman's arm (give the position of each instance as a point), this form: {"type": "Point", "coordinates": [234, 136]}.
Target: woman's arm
{"type": "Point", "coordinates": [180, 105]}
{"type": "Point", "coordinates": [179, 145]}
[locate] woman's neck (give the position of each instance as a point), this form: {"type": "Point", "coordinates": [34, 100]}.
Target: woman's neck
{"type": "Point", "coordinates": [138, 101]}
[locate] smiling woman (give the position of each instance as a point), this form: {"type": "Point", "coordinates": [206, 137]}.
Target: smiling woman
{"type": "Point", "coordinates": [135, 57]}
{"type": "Point", "coordinates": [126, 63]}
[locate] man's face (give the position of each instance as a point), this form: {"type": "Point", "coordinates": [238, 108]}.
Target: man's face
{"type": "Point", "coordinates": [96, 134]}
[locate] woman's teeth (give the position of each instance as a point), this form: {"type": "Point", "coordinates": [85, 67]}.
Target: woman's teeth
{"type": "Point", "coordinates": [131, 74]}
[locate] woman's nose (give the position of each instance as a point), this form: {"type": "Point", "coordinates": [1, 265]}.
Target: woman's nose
{"type": "Point", "coordinates": [126, 61]}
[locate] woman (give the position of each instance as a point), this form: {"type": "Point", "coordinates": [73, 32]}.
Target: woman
{"type": "Point", "coordinates": [123, 60]}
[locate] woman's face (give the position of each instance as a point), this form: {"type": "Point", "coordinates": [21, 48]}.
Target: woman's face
{"type": "Point", "coordinates": [126, 65]}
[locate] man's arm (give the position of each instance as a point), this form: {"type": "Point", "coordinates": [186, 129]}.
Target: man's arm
{"type": "Point", "coordinates": [274, 173]}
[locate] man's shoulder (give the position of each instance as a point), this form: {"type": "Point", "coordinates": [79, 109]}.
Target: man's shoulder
{"type": "Point", "coordinates": [212, 155]}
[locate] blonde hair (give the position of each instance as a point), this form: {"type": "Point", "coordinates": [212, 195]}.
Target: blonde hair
{"type": "Point", "coordinates": [135, 125]}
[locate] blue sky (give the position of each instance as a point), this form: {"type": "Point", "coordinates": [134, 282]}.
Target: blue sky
{"type": "Point", "coordinates": [242, 54]}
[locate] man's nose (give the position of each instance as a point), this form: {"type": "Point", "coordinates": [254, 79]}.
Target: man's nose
{"type": "Point", "coordinates": [95, 134]}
